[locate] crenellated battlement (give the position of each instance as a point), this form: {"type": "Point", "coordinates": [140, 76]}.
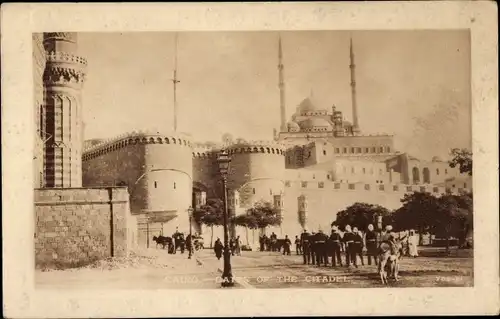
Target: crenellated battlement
{"type": "Point", "coordinates": [206, 154]}
{"type": "Point", "coordinates": [134, 138]}
{"type": "Point", "coordinates": [265, 147]}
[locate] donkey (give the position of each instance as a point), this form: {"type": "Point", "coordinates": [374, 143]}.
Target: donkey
{"type": "Point", "coordinates": [389, 259]}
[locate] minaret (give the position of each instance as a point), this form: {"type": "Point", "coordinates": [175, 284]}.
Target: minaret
{"type": "Point", "coordinates": [281, 85]}
{"type": "Point", "coordinates": [175, 81]}
{"type": "Point", "coordinates": [352, 66]}
{"type": "Point", "coordinates": [63, 81]}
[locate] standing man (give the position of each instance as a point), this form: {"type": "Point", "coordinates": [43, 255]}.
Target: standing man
{"type": "Point", "coordinates": [231, 246]}
{"type": "Point", "coordinates": [335, 246]}
{"type": "Point", "coordinates": [189, 243]}
{"type": "Point", "coordinates": [237, 245]}
{"type": "Point", "coordinates": [304, 242]}
{"type": "Point", "coordinates": [177, 239]}
{"type": "Point", "coordinates": [348, 241]}
{"type": "Point", "coordinates": [262, 242]}
{"type": "Point", "coordinates": [298, 246]}
{"type": "Point", "coordinates": [182, 243]}
{"type": "Point", "coordinates": [357, 247]}
{"type": "Point", "coordinates": [371, 244]}
{"type": "Point", "coordinates": [218, 248]}
{"type": "Point", "coordinates": [286, 246]}
{"type": "Point", "coordinates": [312, 245]}
{"type": "Point", "coordinates": [321, 251]}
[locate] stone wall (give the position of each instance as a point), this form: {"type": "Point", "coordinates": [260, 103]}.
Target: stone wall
{"type": "Point", "coordinates": [75, 226]}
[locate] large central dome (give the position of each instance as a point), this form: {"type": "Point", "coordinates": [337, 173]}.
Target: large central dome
{"type": "Point", "coordinates": [308, 106]}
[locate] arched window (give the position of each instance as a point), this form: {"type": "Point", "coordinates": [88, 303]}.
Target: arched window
{"type": "Point", "coordinates": [416, 175]}
{"type": "Point", "coordinates": [437, 171]}
{"type": "Point", "coordinates": [426, 175]}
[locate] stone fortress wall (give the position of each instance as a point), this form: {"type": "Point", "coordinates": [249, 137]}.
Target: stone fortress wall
{"type": "Point", "coordinates": [157, 168]}
{"type": "Point", "coordinates": [257, 172]}
{"type": "Point", "coordinates": [74, 226]}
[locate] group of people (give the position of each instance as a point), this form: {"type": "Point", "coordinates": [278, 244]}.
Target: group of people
{"type": "Point", "coordinates": [234, 247]}
{"type": "Point", "coordinates": [316, 248]}
{"type": "Point", "coordinates": [269, 243]}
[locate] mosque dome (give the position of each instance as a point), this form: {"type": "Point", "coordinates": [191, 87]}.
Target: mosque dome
{"type": "Point", "coordinates": [293, 127]}
{"type": "Point", "coordinates": [308, 106]}
{"type": "Point", "coordinates": [315, 123]}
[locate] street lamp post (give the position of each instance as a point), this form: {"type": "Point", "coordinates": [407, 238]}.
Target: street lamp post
{"type": "Point", "coordinates": [190, 212]}
{"type": "Point", "coordinates": [227, 277]}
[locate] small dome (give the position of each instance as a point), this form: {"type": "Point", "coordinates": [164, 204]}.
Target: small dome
{"type": "Point", "coordinates": [307, 105]}
{"type": "Point", "coordinates": [315, 122]}
{"type": "Point", "coordinates": [293, 127]}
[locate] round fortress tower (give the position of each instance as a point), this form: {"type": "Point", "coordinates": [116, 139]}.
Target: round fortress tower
{"type": "Point", "coordinates": [257, 171]}
{"type": "Point", "coordinates": [156, 167]}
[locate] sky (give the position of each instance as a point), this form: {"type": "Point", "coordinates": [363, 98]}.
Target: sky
{"type": "Point", "coordinates": [413, 84]}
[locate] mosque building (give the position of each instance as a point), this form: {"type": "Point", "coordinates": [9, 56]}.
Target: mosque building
{"type": "Point", "coordinates": [316, 165]}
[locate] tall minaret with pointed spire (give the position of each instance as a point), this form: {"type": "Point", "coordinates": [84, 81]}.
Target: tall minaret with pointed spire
{"type": "Point", "coordinates": [281, 85]}
{"type": "Point", "coordinates": [175, 81]}
{"type": "Point", "coordinates": [352, 66]}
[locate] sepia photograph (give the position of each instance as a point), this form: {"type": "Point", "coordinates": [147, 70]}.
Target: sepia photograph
{"type": "Point", "coordinates": [297, 159]}
{"type": "Point", "coordinates": [319, 159]}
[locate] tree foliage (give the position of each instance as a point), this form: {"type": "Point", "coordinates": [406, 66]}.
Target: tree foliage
{"type": "Point", "coordinates": [211, 214]}
{"type": "Point", "coordinates": [445, 216]}
{"type": "Point", "coordinates": [261, 215]}
{"type": "Point", "coordinates": [454, 217]}
{"type": "Point", "coordinates": [418, 212]}
{"type": "Point", "coordinates": [361, 215]}
{"type": "Point", "coordinates": [463, 159]}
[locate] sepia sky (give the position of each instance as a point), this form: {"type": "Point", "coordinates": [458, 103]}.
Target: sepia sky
{"type": "Point", "coordinates": [413, 84]}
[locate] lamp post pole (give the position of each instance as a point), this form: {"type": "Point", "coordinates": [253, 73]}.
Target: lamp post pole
{"type": "Point", "coordinates": [190, 212]}
{"type": "Point", "coordinates": [227, 276]}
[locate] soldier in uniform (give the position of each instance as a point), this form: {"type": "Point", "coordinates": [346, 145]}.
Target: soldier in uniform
{"type": "Point", "coordinates": [371, 244]}
{"type": "Point", "coordinates": [348, 241]}
{"type": "Point", "coordinates": [357, 247]}
{"type": "Point", "coordinates": [298, 245]}
{"type": "Point", "coordinates": [304, 241]}
{"type": "Point", "coordinates": [320, 248]}
{"type": "Point", "coordinates": [312, 248]}
{"type": "Point", "coordinates": [335, 247]}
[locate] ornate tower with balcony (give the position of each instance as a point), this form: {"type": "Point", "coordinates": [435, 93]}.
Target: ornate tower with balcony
{"type": "Point", "coordinates": [62, 113]}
